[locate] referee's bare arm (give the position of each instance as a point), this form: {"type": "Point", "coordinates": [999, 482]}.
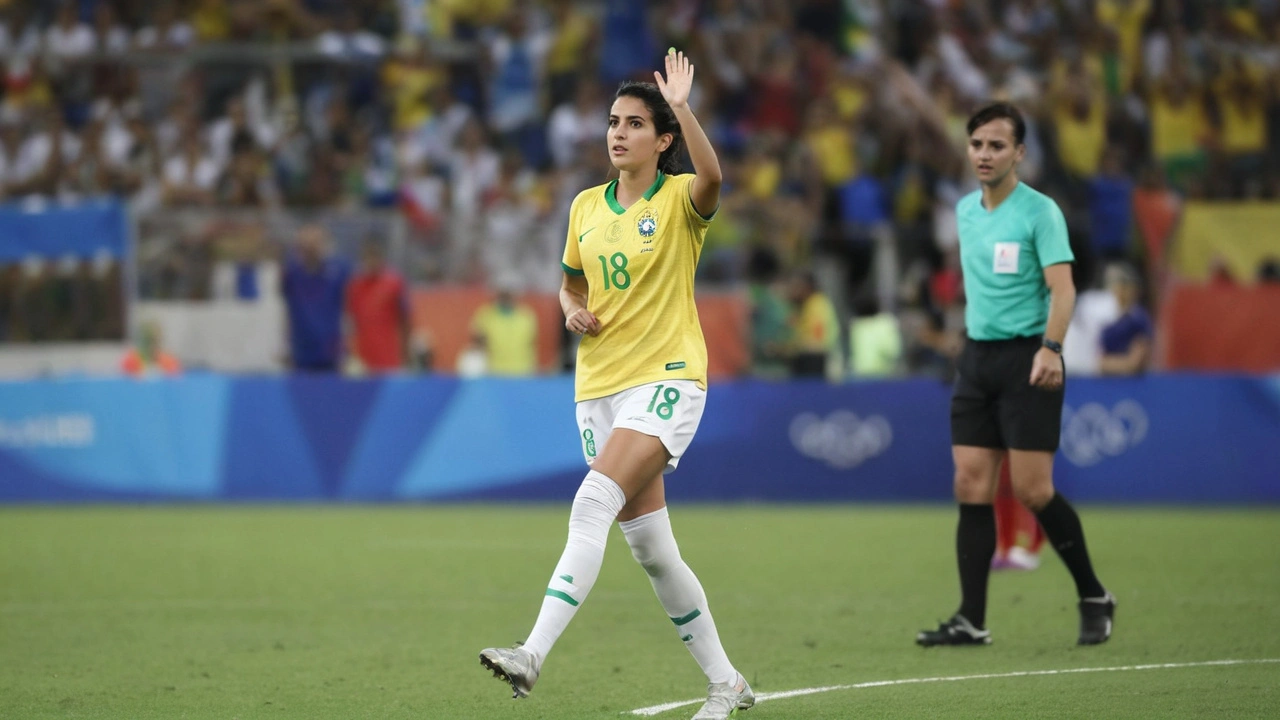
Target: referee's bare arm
{"type": "Point", "coordinates": [1046, 369]}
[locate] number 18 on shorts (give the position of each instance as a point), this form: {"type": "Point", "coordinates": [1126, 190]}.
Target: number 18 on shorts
{"type": "Point", "coordinates": [668, 410]}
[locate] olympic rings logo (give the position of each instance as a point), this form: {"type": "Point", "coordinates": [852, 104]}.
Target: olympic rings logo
{"type": "Point", "coordinates": [842, 440]}
{"type": "Point", "coordinates": [1092, 433]}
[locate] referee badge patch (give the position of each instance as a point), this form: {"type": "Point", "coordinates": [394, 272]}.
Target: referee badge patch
{"type": "Point", "coordinates": [1006, 258]}
{"type": "Point", "coordinates": [647, 223]}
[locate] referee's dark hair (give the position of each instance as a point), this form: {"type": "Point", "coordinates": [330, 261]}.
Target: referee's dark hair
{"type": "Point", "coordinates": [998, 111]}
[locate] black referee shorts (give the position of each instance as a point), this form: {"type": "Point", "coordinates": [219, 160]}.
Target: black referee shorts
{"type": "Point", "coordinates": [993, 403]}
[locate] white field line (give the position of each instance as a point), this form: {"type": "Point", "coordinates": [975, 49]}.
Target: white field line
{"type": "Point", "coordinates": [656, 709]}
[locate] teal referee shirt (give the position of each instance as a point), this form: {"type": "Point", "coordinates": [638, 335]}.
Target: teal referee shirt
{"type": "Point", "coordinates": [1003, 254]}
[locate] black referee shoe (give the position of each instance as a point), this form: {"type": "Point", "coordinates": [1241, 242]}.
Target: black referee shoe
{"type": "Point", "coordinates": [956, 631]}
{"type": "Point", "coordinates": [1097, 615]}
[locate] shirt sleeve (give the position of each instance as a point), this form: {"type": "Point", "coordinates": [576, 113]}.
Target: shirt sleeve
{"type": "Point", "coordinates": [691, 212]}
{"type": "Point", "coordinates": [572, 260]}
{"type": "Point", "coordinates": [1049, 233]}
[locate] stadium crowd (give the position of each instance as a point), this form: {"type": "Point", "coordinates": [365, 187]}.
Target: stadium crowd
{"type": "Point", "coordinates": [840, 125]}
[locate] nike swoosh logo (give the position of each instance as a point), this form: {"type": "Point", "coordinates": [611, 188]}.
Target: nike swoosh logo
{"type": "Point", "coordinates": [584, 235]}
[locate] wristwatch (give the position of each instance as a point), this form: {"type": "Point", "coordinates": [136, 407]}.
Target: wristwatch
{"type": "Point", "coordinates": [1053, 345]}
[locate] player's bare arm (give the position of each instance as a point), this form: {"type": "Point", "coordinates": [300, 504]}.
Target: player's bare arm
{"type": "Point", "coordinates": [1046, 368]}
{"type": "Point", "coordinates": [573, 302]}
{"type": "Point", "coordinates": [675, 88]}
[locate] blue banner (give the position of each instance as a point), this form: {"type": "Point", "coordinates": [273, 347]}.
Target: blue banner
{"type": "Point", "coordinates": [1158, 439]}
{"type": "Point", "coordinates": [51, 230]}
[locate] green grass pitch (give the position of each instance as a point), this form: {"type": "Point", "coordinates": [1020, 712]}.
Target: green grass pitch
{"type": "Point", "coordinates": [379, 612]}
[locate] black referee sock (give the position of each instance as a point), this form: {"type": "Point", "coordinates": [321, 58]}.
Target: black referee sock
{"type": "Point", "coordinates": [1062, 525]}
{"type": "Point", "coordinates": [975, 544]}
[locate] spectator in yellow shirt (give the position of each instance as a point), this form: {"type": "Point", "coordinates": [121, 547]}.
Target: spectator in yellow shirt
{"type": "Point", "coordinates": [1080, 120]}
{"type": "Point", "coordinates": [1179, 129]}
{"type": "Point", "coordinates": [1125, 18]}
{"type": "Point", "coordinates": [574, 39]}
{"type": "Point", "coordinates": [815, 330]}
{"type": "Point", "coordinates": [508, 331]}
{"type": "Point", "coordinates": [1242, 133]}
{"type": "Point", "coordinates": [409, 78]}
{"type": "Point", "coordinates": [831, 141]}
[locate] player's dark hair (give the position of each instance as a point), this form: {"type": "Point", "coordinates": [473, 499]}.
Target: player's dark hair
{"type": "Point", "coordinates": [664, 121]}
{"type": "Point", "coordinates": [1000, 111]}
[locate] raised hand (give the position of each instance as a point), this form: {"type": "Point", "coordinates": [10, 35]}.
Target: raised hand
{"type": "Point", "coordinates": [679, 81]}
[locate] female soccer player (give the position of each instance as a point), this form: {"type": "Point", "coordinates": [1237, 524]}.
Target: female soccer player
{"type": "Point", "coordinates": [629, 263]}
{"type": "Point", "coordinates": [1009, 385]}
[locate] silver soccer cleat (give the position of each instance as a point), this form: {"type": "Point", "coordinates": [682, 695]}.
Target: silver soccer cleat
{"type": "Point", "coordinates": [515, 665]}
{"type": "Point", "coordinates": [725, 700]}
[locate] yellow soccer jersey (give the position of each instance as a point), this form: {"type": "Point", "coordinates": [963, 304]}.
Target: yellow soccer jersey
{"type": "Point", "coordinates": [639, 264]}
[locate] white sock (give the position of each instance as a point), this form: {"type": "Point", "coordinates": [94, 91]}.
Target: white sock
{"type": "Point", "coordinates": [595, 507]}
{"type": "Point", "coordinates": [654, 546]}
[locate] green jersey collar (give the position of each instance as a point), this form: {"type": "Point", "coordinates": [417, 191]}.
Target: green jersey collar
{"type": "Point", "coordinates": [611, 193]}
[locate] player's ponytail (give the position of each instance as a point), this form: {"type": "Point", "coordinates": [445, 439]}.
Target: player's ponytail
{"type": "Point", "coordinates": [664, 122]}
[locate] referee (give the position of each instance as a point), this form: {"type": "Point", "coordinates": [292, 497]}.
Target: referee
{"type": "Point", "coordinates": [1009, 386]}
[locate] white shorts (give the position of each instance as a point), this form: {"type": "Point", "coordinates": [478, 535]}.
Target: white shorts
{"type": "Point", "coordinates": [669, 410]}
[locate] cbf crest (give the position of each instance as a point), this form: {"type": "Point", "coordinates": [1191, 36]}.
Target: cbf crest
{"type": "Point", "coordinates": [647, 223]}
